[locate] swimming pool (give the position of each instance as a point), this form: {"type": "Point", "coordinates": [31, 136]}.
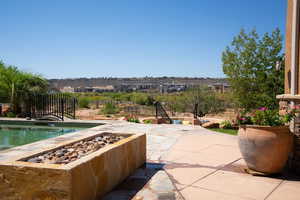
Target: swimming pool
{"type": "Point", "coordinates": [17, 135]}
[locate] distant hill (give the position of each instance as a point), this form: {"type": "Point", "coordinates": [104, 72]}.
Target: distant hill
{"type": "Point", "coordinates": [93, 82]}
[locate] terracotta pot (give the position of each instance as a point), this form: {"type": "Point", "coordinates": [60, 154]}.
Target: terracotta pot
{"type": "Point", "coordinates": [265, 149]}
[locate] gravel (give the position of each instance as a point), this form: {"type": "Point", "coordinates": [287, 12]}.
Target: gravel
{"type": "Point", "coordinates": [72, 152]}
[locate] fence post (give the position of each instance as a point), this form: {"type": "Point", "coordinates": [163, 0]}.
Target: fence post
{"type": "Point", "coordinates": [196, 111]}
{"type": "Point", "coordinates": [58, 105]}
{"type": "Point", "coordinates": [74, 108]}
{"type": "Point", "coordinates": [62, 109]}
{"type": "Point", "coordinates": [156, 110]}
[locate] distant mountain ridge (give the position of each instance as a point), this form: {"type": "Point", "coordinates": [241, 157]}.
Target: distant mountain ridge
{"type": "Point", "coordinates": [93, 82]}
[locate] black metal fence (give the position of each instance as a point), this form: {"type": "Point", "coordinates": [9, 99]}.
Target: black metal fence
{"type": "Point", "coordinates": [51, 105]}
{"type": "Point", "coordinates": [197, 112]}
{"type": "Point", "coordinates": [160, 112]}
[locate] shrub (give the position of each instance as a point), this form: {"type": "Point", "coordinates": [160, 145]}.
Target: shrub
{"type": "Point", "coordinates": [266, 117]}
{"type": "Point", "coordinates": [226, 124]}
{"type": "Point", "coordinates": [244, 120]}
{"type": "Point", "coordinates": [110, 108]}
{"type": "Point", "coordinates": [208, 101]}
{"type": "Point", "coordinates": [133, 120]}
{"type": "Point", "coordinates": [139, 98]}
{"type": "Point", "coordinates": [10, 114]}
{"type": "Point", "coordinates": [147, 121]}
{"type": "Point", "coordinates": [149, 101]}
{"type": "Point", "coordinates": [84, 102]}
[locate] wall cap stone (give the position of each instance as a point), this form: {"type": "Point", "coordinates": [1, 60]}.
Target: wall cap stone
{"type": "Point", "coordinates": [288, 97]}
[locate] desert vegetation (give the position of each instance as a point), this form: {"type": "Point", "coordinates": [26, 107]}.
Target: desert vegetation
{"type": "Point", "coordinates": [142, 104]}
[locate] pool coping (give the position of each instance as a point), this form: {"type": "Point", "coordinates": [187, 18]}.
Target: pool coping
{"type": "Point", "coordinates": [34, 147]}
{"type": "Point", "coordinates": [16, 121]}
{"type": "Point", "coordinates": [17, 160]}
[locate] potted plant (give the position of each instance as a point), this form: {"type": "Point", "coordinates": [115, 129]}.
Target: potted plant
{"type": "Point", "coordinates": [265, 140]}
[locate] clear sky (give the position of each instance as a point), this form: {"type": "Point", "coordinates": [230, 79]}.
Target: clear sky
{"type": "Point", "coordinates": [128, 38]}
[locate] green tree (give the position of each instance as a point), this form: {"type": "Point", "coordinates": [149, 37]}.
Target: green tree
{"type": "Point", "coordinates": [251, 65]}
{"type": "Point", "coordinates": [16, 85]}
{"type": "Point", "coordinates": [3, 94]}
{"type": "Point", "coordinates": [208, 101]}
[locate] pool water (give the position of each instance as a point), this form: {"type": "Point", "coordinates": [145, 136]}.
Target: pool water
{"type": "Point", "coordinates": [16, 135]}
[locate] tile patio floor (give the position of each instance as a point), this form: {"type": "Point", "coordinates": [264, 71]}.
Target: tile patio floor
{"type": "Point", "coordinates": [200, 164]}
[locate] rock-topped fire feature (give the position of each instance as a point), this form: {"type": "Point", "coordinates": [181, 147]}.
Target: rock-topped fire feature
{"type": "Point", "coordinates": [72, 152]}
{"type": "Point", "coordinates": [91, 166]}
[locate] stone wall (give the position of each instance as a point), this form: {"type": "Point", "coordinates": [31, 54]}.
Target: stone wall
{"type": "Point", "coordinates": [294, 160]}
{"type": "Point", "coordinates": [89, 177]}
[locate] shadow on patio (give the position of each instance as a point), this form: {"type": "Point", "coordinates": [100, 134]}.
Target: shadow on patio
{"type": "Point", "coordinates": [136, 183]}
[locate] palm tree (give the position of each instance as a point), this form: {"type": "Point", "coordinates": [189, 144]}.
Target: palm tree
{"type": "Point", "coordinates": [16, 85]}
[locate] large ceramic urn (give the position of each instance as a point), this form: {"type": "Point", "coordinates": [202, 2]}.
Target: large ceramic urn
{"type": "Point", "coordinates": [265, 149]}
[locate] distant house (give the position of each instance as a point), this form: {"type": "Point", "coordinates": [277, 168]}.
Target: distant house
{"type": "Point", "coordinates": [67, 89]}
{"type": "Point", "coordinates": [106, 88]}
{"type": "Point", "coordinates": [99, 89]}
{"type": "Point", "coordinates": [220, 87]}
{"type": "Point", "coordinates": [170, 88]}
{"type": "Point", "coordinates": [83, 89]}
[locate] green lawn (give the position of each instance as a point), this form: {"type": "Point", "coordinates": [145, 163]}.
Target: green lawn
{"type": "Point", "coordinates": [227, 131]}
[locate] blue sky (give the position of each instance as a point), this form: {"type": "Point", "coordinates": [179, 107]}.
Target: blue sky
{"type": "Point", "coordinates": [128, 38]}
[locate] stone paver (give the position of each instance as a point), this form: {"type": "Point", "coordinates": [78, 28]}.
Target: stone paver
{"type": "Point", "coordinates": [194, 193]}
{"type": "Point", "coordinates": [287, 190]}
{"type": "Point", "coordinates": [185, 176]}
{"type": "Point", "coordinates": [240, 185]}
{"type": "Point", "coordinates": [212, 157]}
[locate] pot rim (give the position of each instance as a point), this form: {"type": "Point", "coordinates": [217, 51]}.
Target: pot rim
{"type": "Point", "coordinates": [259, 126]}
